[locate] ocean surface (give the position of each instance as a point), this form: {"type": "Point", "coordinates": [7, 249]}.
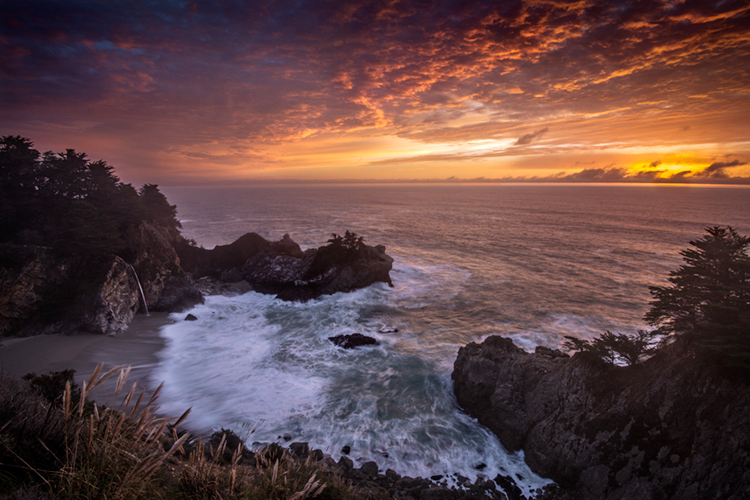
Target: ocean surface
{"type": "Point", "coordinates": [530, 262]}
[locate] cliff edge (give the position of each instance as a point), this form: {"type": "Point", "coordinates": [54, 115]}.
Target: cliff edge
{"type": "Point", "coordinates": [674, 426]}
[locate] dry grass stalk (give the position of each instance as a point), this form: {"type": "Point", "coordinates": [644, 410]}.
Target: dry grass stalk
{"type": "Point", "coordinates": [113, 454]}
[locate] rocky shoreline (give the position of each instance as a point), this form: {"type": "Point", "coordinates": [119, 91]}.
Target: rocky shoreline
{"type": "Point", "coordinates": [370, 481]}
{"type": "Point", "coordinates": [43, 293]}
{"type": "Point", "coordinates": [675, 426]}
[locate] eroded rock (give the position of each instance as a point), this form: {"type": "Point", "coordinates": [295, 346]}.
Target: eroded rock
{"type": "Point", "coordinates": [601, 431]}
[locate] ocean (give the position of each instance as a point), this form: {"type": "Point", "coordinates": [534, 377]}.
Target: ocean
{"type": "Point", "coordinates": [529, 262]}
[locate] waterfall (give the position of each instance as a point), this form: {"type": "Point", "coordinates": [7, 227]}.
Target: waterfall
{"type": "Point", "coordinates": [143, 296]}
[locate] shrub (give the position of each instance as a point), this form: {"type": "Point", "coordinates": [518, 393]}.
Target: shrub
{"type": "Point", "coordinates": [615, 348]}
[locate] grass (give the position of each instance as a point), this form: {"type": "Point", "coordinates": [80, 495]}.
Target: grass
{"type": "Point", "coordinates": [69, 448]}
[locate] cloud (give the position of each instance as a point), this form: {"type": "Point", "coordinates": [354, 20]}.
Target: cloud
{"type": "Point", "coordinates": [529, 138]}
{"type": "Point", "coordinates": [186, 76]}
{"type": "Point", "coordinates": [716, 169]}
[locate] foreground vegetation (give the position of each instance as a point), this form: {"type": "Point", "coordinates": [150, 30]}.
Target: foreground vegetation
{"type": "Point", "coordinates": [56, 445]}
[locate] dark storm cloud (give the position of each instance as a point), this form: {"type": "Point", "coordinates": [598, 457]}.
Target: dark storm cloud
{"type": "Point", "coordinates": [205, 72]}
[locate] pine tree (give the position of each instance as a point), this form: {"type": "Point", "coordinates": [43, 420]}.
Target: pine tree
{"type": "Point", "coordinates": [708, 300]}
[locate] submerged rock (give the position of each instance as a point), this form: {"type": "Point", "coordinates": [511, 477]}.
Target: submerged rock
{"type": "Point", "coordinates": [654, 430]}
{"type": "Point", "coordinates": [353, 340]}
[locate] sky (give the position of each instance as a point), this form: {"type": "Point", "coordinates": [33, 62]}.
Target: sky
{"type": "Point", "coordinates": [182, 92]}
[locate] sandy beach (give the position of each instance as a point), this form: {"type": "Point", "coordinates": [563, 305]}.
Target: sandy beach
{"type": "Point", "coordinates": [137, 347]}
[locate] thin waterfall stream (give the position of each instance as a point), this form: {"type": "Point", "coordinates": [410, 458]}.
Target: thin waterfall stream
{"type": "Point", "coordinates": [143, 296]}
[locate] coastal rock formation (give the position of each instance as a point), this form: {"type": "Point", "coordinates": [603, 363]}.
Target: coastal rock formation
{"type": "Point", "coordinates": [223, 258]}
{"type": "Point", "coordinates": [42, 292]}
{"type": "Point", "coordinates": [671, 427]}
{"type": "Point", "coordinates": [166, 286]}
{"type": "Point", "coordinates": [283, 269]}
{"type": "Point", "coordinates": [48, 294]}
{"type": "Point", "coordinates": [353, 340]}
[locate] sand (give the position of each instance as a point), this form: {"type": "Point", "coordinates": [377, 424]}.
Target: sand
{"type": "Point", "coordinates": [138, 347]}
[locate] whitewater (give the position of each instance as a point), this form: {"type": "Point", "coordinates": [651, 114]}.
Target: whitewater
{"type": "Point", "coordinates": [529, 262]}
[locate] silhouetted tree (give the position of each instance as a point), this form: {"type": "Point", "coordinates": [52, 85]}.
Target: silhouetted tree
{"type": "Point", "coordinates": [71, 204]}
{"type": "Point", "coordinates": [708, 300]}
{"type": "Point", "coordinates": [615, 347]}
{"type": "Point", "coordinates": [18, 188]}
{"type": "Point", "coordinates": [157, 207]}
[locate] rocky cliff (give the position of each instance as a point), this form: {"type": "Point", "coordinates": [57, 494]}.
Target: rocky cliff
{"type": "Point", "coordinates": [43, 292]}
{"type": "Point", "coordinates": [283, 269]}
{"type": "Point", "coordinates": [672, 427]}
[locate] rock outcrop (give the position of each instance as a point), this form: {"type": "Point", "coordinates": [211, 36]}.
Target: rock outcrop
{"type": "Point", "coordinates": [671, 427]}
{"type": "Point", "coordinates": [283, 269]}
{"type": "Point", "coordinates": [353, 340]}
{"type": "Point", "coordinates": [48, 294]}
{"type": "Point", "coordinates": [41, 292]}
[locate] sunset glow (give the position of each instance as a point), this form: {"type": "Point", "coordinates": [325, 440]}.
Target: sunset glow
{"type": "Point", "coordinates": [393, 90]}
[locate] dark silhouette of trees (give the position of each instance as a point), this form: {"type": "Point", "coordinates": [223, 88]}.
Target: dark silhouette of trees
{"type": "Point", "coordinates": [615, 347]}
{"type": "Point", "coordinates": [708, 300]}
{"type": "Point", "coordinates": [19, 164]}
{"type": "Point", "coordinates": [72, 204]}
{"type": "Point", "coordinates": [157, 207]}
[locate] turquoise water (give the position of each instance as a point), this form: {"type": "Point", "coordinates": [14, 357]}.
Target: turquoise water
{"type": "Point", "coordinates": [532, 262]}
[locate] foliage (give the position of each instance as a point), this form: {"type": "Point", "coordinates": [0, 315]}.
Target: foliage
{"type": "Point", "coordinates": [340, 251]}
{"type": "Point", "coordinates": [157, 207]}
{"type": "Point", "coordinates": [72, 204]}
{"type": "Point", "coordinates": [52, 386]}
{"type": "Point", "coordinates": [614, 348]}
{"type": "Point", "coordinates": [82, 450]}
{"type": "Point", "coordinates": [350, 242]}
{"type": "Point", "coordinates": [708, 300]}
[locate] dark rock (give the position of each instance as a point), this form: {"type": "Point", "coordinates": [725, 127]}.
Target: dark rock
{"type": "Point", "coordinates": [346, 450]}
{"type": "Point", "coordinates": [286, 437]}
{"type": "Point", "coordinates": [300, 450]}
{"type": "Point", "coordinates": [481, 466]}
{"type": "Point", "coordinates": [436, 477]}
{"type": "Point", "coordinates": [232, 444]}
{"type": "Point", "coordinates": [353, 340]}
{"type": "Point", "coordinates": [179, 293]}
{"type": "Point", "coordinates": [550, 353]}
{"type": "Point", "coordinates": [369, 469]}
{"type": "Point", "coordinates": [283, 269]}
{"type": "Point", "coordinates": [45, 293]}
{"type": "Point", "coordinates": [191, 317]}
{"type": "Point", "coordinates": [392, 475]}
{"type": "Point", "coordinates": [317, 455]}
{"type": "Point", "coordinates": [509, 486]}
{"type": "Point", "coordinates": [437, 493]}
{"type": "Point", "coordinates": [222, 258]}
{"type": "Point", "coordinates": [601, 431]}
{"type": "Point", "coordinates": [41, 292]}
{"type": "Point", "coordinates": [346, 463]}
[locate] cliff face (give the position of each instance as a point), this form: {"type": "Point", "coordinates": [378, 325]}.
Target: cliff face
{"type": "Point", "coordinates": [45, 293]}
{"type": "Point", "coordinates": [671, 427]}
